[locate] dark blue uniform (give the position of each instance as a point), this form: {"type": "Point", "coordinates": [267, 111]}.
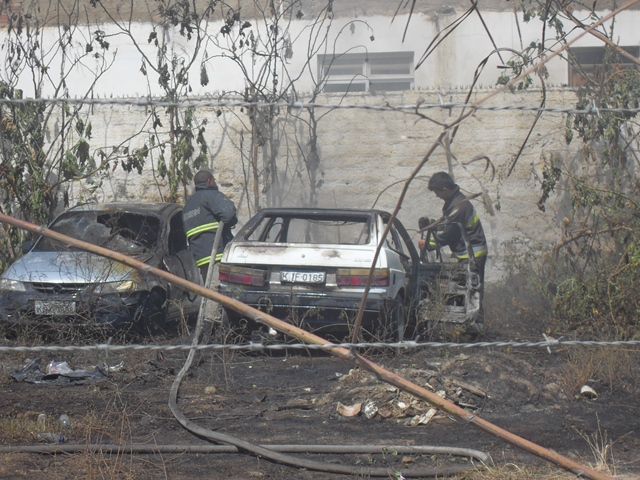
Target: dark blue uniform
{"type": "Point", "coordinates": [201, 214]}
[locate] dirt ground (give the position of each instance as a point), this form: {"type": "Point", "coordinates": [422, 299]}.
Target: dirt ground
{"type": "Point", "coordinates": [292, 397]}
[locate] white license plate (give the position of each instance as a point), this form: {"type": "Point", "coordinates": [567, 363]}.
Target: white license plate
{"type": "Point", "coordinates": [55, 308]}
{"type": "Point", "coordinates": [291, 276]}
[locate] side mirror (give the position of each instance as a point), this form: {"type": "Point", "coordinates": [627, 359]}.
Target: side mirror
{"type": "Point", "coordinates": [27, 246]}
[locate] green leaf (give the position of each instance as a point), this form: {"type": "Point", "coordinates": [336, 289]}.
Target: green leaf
{"type": "Point", "coordinates": [82, 152]}
{"type": "Point", "coordinates": [80, 126]}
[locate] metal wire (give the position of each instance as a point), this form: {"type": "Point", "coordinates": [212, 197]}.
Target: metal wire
{"type": "Point", "coordinates": [192, 102]}
{"type": "Point", "coordinates": [406, 345]}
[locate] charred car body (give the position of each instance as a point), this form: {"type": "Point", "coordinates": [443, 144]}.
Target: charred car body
{"type": "Point", "coordinates": [450, 291]}
{"type": "Point", "coordinates": [310, 266]}
{"type": "Point", "coordinates": [55, 283]}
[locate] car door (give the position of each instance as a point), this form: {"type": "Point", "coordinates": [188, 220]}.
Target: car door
{"type": "Point", "coordinates": [398, 262]}
{"type": "Point", "coordinates": [408, 255]}
{"type": "Point", "coordinates": [179, 261]}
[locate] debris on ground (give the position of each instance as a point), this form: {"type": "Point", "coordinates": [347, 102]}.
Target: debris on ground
{"type": "Point", "coordinates": [57, 373]}
{"type": "Point", "coordinates": [588, 392]}
{"type": "Point", "coordinates": [349, 410]}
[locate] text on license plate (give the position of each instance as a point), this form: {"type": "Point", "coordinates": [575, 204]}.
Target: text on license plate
{"type": "Point", "coordinates": [290, 276]}
{"type": "Point", "coordinates": [55, 308]}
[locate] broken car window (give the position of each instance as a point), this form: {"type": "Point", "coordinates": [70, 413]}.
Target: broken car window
{"type": "Point", "coordinates": [309, 230]}
{"type": "Point", "coordinates": [126, 233]}
{"type": "Point", "coordinates": [317, 230]}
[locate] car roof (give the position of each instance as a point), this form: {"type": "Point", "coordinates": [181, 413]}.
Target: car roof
{"type": "Point", "coordinates": [153, 208]}
{"type": "Point", "coordinates": [322, 211]}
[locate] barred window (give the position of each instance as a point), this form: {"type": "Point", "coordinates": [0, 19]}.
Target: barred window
{"type": "Point", "coordinates": [366, 72]}
{"type": "Point", "coordinates": [589, 63]}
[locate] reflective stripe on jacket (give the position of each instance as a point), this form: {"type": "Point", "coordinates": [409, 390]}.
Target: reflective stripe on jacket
{"type": "Point", "coordinates": [202, 228]}
{"type": "Point", "coordinates": [459, 211]}
{"type": "Point", "coordinates": [207, 260]}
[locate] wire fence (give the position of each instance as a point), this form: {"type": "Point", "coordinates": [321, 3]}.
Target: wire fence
{"type": "Point", "coordinates": [548, 343]}
{"type": "Point", "coordinates": [195, 102]}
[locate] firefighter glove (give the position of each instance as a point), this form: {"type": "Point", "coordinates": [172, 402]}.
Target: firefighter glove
{"type": "Point", "coordinates": [424, 222]}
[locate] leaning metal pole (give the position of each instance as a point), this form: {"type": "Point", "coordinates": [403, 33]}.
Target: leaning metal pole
{"type": "Point", "coordinates": [205, 303]}
{"type": "Point", "coordinates": [288, 329]}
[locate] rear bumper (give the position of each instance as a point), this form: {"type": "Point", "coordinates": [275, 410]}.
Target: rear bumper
{"type": "Point", "coordinates": [333, 300]}
{"type": "Point", "coordinates": [317, 308]}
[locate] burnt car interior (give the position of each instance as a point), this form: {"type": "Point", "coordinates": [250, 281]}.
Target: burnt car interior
{"type": "Point", "coordinates": [283, 229]}
{"type": "Point", "coordinates": [451, 284]}
{"type": "Point", "coordinates": [177, 237]}
{"type": "Point", "coordinates": [138, 228]}
{"type": "Point", "coordinates": [123, 232]}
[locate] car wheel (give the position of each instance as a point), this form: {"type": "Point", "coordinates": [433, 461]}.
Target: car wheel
{"type": "Point", "coordinates": [398, 320]}
{"type": "Point", "coordinates": [150, 317]}
{"type": "Point", "coordinates": [394, 326]}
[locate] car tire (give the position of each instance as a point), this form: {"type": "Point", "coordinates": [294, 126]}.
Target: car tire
{"type": "Point", "coordinates": [398, 319]}
{"type": "Point", "coordinates": [151, 315]}
{"type": "Point", "coordinates": [394, 325]}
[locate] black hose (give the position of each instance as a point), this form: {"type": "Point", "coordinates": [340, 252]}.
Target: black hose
{"type": "Point", "coordinates": [182, 448]}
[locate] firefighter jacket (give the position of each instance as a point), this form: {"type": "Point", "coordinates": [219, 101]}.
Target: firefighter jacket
{"type": "Point", "coordinates": [201, 214]}
{"type": "Point", "coordinates": [460, 214]}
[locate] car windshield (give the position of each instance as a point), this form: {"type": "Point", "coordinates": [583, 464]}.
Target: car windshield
{"type": "Point", "coordinates": [345, 230]}
{"type": "Point", "coordinates": [123, 232]}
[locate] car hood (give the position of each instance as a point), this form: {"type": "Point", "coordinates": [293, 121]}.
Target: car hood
{"type": "Point", "coordinates": [69, 267]}
{"type": "Point", "coordinates": [302, 255]}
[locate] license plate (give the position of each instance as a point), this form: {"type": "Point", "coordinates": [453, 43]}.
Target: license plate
{"type": "Point", "coordinates": [55, 308]}
{"type": "Point", "coordinates": [291, 276]}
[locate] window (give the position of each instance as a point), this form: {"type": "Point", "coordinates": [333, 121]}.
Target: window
{"type": "Point", "coordinates": [590, 62]}
{"type": "Point", "coordinates": [124, 232]}
{"type": "Point", "coordinates": [322, 229]}
{"type": "Point", "coordinates": [366, 72]}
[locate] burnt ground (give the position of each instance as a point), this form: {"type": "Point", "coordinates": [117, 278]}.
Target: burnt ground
{"type": "Point", "coordinates": [292, 397]}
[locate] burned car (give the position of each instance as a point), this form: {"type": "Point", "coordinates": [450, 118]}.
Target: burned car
{"type": "Point", "coordinates": [55, 283]}
{"type": "Point", "coordinates": [310, 267]}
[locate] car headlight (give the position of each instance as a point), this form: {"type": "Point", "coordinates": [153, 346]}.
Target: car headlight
{"type": "Point", "coordinates": [126, 286]}
{"type": "Point", "coordinates": [8, 285]}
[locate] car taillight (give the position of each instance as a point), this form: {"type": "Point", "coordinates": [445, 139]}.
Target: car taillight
{"type": "Point", "coordinates": [243, 275]}
{"type": "Point", "coordinates": [357, 277]}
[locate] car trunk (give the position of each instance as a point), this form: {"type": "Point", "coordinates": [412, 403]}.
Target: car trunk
{"type": "Point", "coordinates": [302, 275]}
{"type": "Point", "coordinates": [302, 255]}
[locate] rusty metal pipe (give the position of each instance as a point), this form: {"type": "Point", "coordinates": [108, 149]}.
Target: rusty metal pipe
{"type": "Point", "coordinates": [284, 327]}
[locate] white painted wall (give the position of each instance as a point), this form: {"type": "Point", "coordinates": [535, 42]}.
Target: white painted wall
{"type": "Point", "coordinates": [452, 65]}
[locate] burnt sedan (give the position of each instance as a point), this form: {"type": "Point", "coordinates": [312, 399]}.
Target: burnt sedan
{"type": "Point", "coordinates": [310, 267]}
{"type": "Point", "coordinates": [54, 283]}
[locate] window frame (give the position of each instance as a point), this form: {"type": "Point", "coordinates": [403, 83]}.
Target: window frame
{"type": "Point", "coordinates": [363, 78]}
{"type": "Point", "coordinates": [588, 68]}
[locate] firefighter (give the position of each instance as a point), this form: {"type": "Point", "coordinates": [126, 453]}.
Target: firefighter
{"type": "Point", "coordinates": [458, 211]}
{"type": "Point", "coordinates": [201, 214]}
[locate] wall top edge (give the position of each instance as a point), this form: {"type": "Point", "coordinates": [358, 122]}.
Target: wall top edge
{"type": "Point", "coordinates": [65, 12]}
